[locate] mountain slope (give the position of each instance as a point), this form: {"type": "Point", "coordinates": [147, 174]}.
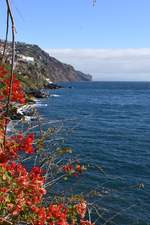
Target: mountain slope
{"type": "Point", "coordinates": [47, 66]}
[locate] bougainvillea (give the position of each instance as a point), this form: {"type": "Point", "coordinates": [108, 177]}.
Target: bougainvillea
{"type": "Point", "coordinates": [22, 190]}
{"type": "Point", "coordinates": [17, 94]}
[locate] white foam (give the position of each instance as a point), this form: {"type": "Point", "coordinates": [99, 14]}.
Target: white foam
{"type": "Point", "coordinates": [54, 95]}
{"type": "Point", "coordinates": [40, 105]}
{"type": "Point", "coordinates": [27, 118]}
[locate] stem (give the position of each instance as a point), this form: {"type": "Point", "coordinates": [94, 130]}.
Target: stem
{"type": "Point", "coordinates": [3, 220]}
{"type": "Point", "coordinates": [12, 67]}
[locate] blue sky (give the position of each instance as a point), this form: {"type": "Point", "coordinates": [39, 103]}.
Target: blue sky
{"type": "Point", "coordinates": [75, 24]}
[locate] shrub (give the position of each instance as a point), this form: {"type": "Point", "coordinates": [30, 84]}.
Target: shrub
{"type": "Point", "coordinates": [23, 190]}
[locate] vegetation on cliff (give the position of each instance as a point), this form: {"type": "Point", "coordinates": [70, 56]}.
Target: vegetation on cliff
{"type": "Point", "coordinates": [35, 67]}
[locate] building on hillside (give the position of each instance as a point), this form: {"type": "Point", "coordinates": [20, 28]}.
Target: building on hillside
{"type": "Point", "coordinates": [48, 80]}
{"type": "Point", "coordinates": [25, 59]}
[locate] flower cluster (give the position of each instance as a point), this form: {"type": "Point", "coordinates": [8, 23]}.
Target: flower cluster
{"type": "Point", "coordinates": [21, 191]}
{"type": "Point", "coordinates": [73, 169]}
{"type": "Point", "coordinates": [81, 209]}
{"type": "Point", "coordinates": [17, 94]}
{"type": "Point", "coordinates": [14, 144]}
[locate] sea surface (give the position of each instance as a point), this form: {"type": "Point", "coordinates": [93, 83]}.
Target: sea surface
{"type": "Point", "coordinates": [108, 126]}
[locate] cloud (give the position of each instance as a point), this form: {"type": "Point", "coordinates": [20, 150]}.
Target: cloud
{"type": "Point", "coordinates": [108, 64]}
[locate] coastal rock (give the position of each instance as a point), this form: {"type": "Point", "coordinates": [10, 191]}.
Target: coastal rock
{"type": "Point", "coordinates": [52, 86]}
{"type": "Point", "coordinates": [37, 94]}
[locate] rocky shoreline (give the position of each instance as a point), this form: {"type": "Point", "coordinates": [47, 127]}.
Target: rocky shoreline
{"type": "Point", "coordinates": [27, 110]}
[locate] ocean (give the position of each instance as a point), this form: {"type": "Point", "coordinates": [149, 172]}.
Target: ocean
{"type": "Point", "coordinates": [108, 126]}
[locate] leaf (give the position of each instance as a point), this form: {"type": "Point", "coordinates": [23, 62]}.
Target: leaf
{"type": "Point", "coordinates": [1, 85]}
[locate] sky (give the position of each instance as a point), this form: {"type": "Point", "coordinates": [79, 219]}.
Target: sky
{"type": "Point", "coordinates": [111, 41]}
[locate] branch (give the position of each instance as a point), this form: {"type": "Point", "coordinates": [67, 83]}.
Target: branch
{"type": "Point", "coordinates": [12, 65]}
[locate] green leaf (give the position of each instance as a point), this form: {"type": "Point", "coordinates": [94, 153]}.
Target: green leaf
{"type": "Point", "coordinates": [1, 85]}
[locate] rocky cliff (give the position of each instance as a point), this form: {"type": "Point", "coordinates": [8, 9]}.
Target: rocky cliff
{"type": "Point", "coordinates": [45, 66]}
{"type": "Point", "coordinates": [34, 66]}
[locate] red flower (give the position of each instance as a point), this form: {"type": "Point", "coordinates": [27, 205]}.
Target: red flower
{"type": "Point", "coordinates": [28, 144]}
{"type": "Point", "coordinates": [81, 209]}
{"type": "Point", "coordinates": [17, 94]}
{"type": "Point", "coordinates": [68, 168]}
{"type": "Point", "coordinates": [78, 168]}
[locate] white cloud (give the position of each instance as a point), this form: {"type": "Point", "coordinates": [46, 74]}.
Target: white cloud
{"type": "Point", "coordinates": [108, 64]}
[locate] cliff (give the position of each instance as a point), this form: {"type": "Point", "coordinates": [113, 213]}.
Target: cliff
{"type": "Point", "coordinates": [34, 66]}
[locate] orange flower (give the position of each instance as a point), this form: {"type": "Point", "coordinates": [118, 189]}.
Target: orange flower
{"type": "Point", "coordinates": [81, 209]}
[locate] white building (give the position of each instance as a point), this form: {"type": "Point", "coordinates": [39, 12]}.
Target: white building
{"type": "Point", "coordinates": [48, 80]}
{"type": "Point", "coordinates": [24, 58]}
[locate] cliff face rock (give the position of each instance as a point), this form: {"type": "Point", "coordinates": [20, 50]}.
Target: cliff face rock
{"type": "Point", "coordinates": [45, 66]}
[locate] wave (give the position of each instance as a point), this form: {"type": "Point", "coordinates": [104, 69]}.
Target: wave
{"type": "Point", "coordinates": [40, 105]}
{"type": "Point", "coordinates": [54, 95]}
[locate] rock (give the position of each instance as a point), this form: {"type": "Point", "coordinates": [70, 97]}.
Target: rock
{"type": "Point", "coordinates": [52, 86]}
{"type": "Point", "coordinates": [14, 114]}
{"type": "Point", "coordinates": [37, 94]}
{"type": "Point", "coordinates": [26, 110]}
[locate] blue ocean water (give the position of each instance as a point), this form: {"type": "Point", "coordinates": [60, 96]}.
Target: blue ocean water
{"type": "Point", "coordinates": [108, 125]}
